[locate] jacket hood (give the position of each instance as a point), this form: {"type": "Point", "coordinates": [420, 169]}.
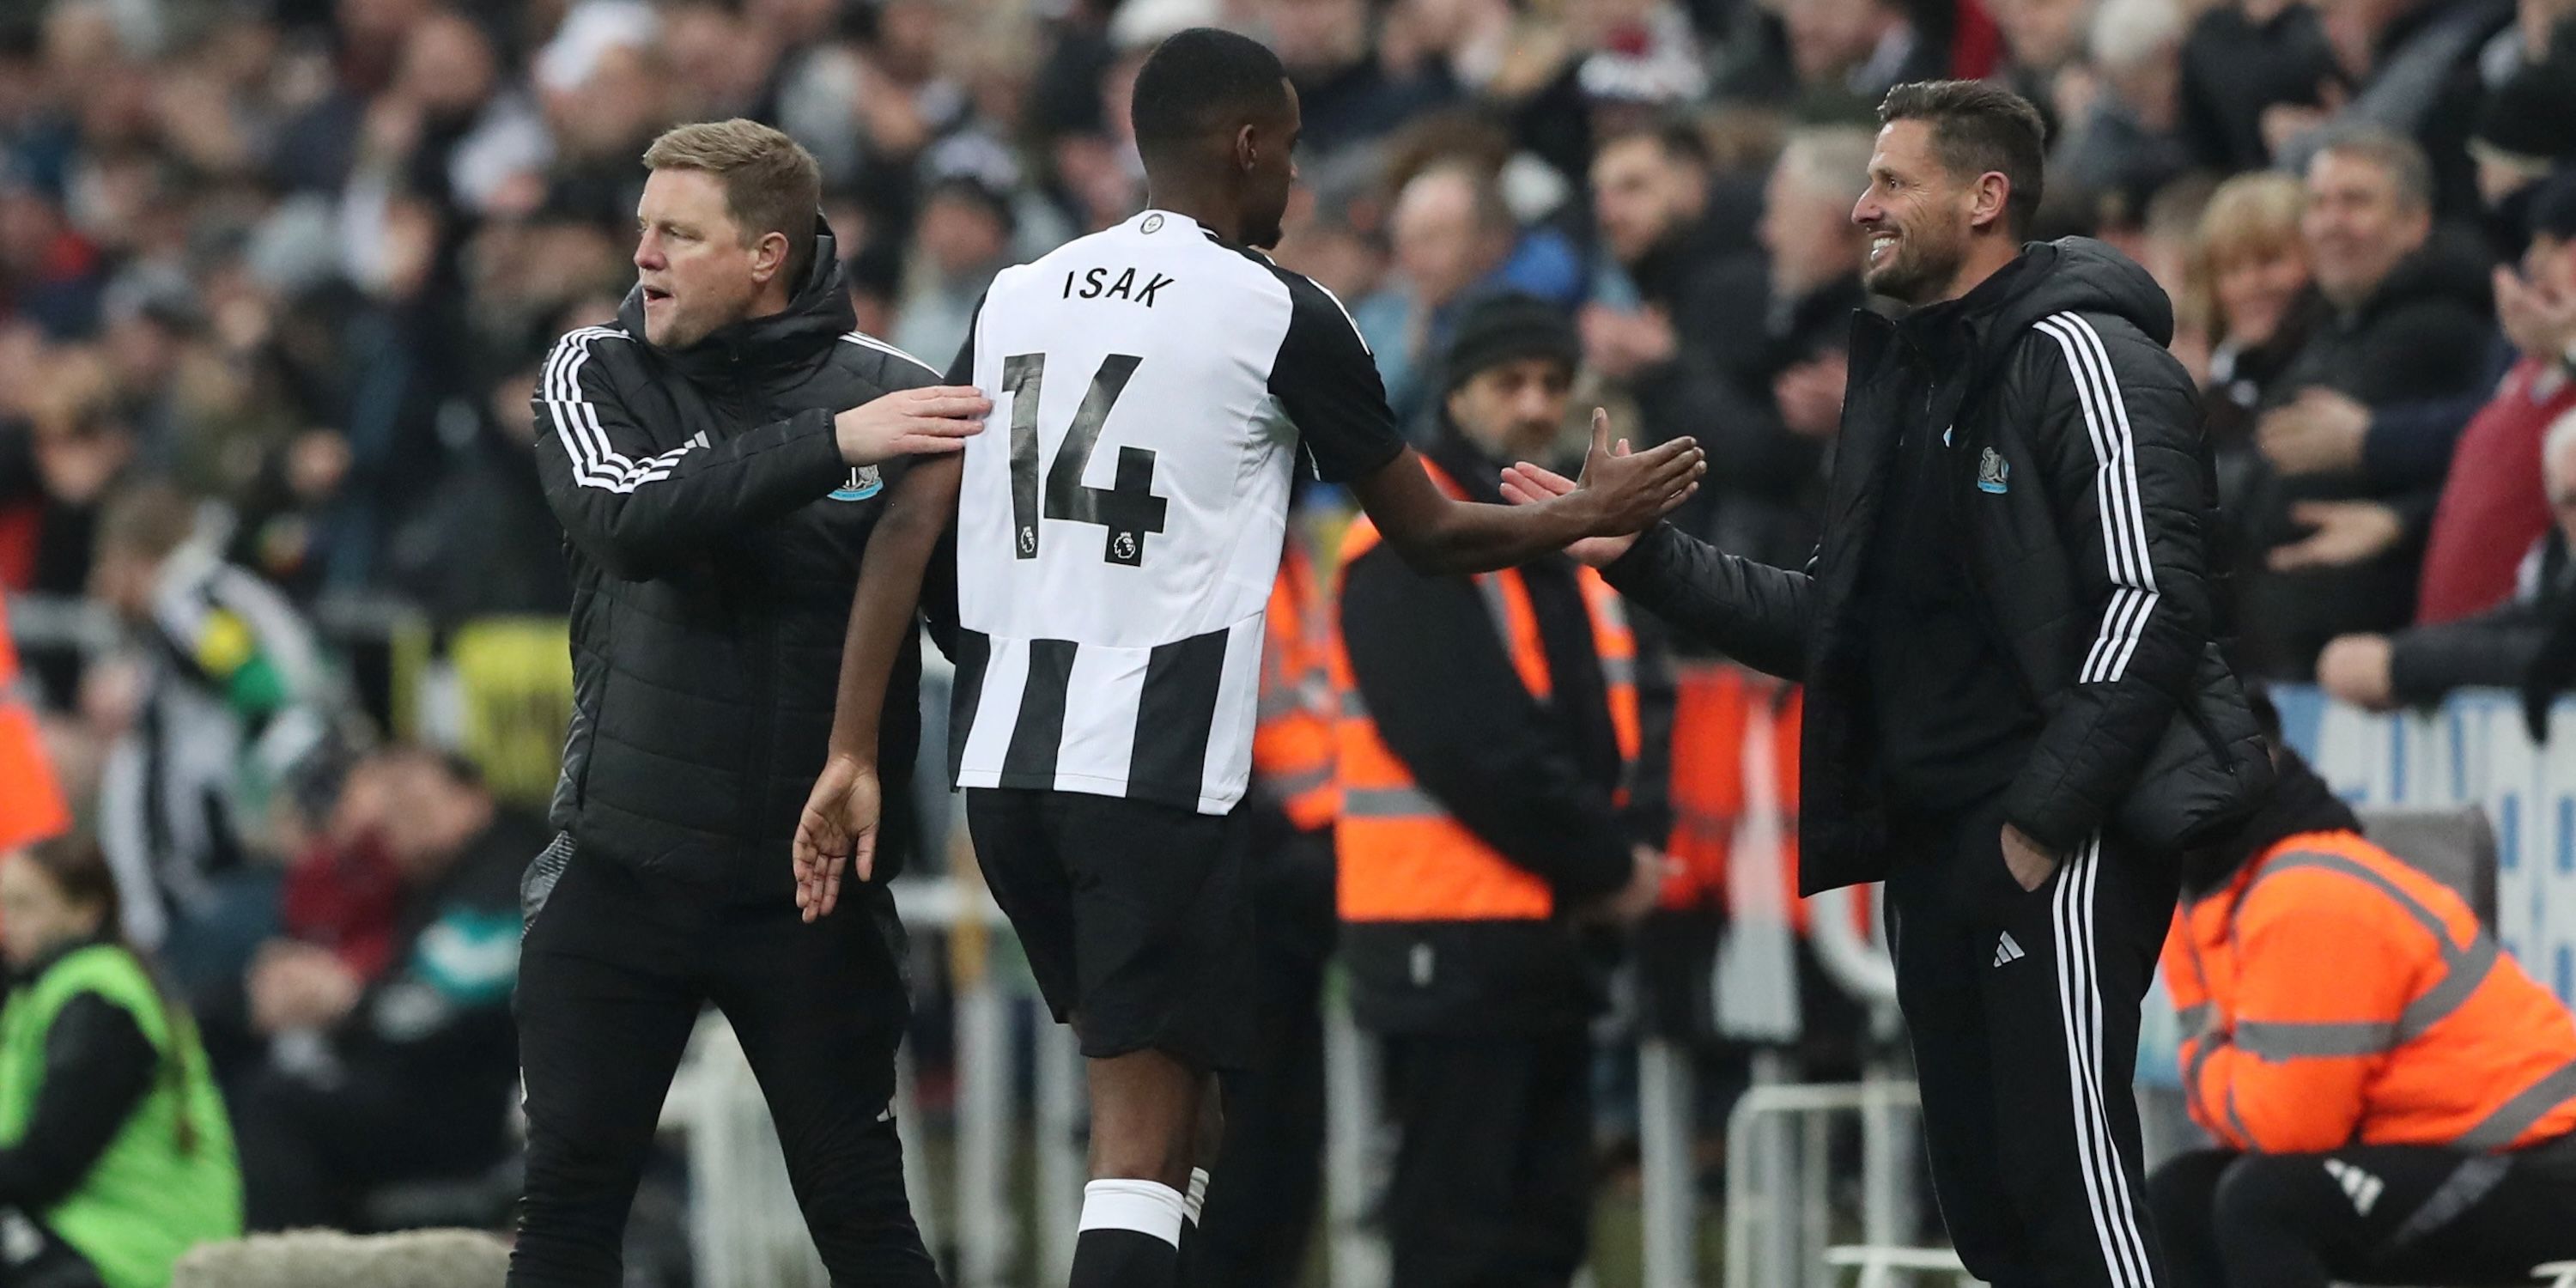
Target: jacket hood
{"type": "Point", "coordinates": [2081, 275]}
{"type": "Point", "coordinates": [817, 316]}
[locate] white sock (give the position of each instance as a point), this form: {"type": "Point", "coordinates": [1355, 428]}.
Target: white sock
{"type": "Point", "coordinates": [1146, 1207]}
{"type": "Point", "coordinates": [1197, 1200]}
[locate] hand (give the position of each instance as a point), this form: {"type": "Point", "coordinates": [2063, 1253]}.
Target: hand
{"type": "Point", "coordinates": [1619, 344]}
{"type": "Point", "coordinates": [2540, 322]}
{"type": "Point", "coordinates": [1622, 493]}
{"type": "Point", "coordinates": [838, 830]}
{"type": "Point", "coordinates": [298, 986]}
{"type": "Point", "coordinates": [2355, 668]}
{"type": "Point", "coordinates": [2347, 532]}
{"type": "Point", "coordinates": [2029, 862]}
{"type": "Point", "coordinates": [1629, 904]}
{"type": "Point", "coordinates": [911, 422]}
{"type": "Point", "coordinates": [1527, 484]}
{"type": "Point", "coordinates": [2320, 433]}
{"type": "Point", "coordinates": [1810, 395]}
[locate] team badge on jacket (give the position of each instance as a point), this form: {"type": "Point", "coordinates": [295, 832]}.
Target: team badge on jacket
{"type": "Point", "coordinates": [865, 482]}
{"type": "Point", "coordinates": [1991, 472]}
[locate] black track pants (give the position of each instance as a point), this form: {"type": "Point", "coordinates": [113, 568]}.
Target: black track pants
{"type": "Point", "coordinates": [2023, 1009]}
{"type": "Point", "coordinates": [2369, 1214]}
{"type": "Point", "coordinates": [614, 971]}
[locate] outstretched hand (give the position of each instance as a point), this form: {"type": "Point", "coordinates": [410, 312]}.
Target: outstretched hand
{"type": "Point", "coordinates": [1626, 491]}
{"type": "Point", "coordinates": [836, 833]}
{"type": "Point", "coordinates": [1527, 484]}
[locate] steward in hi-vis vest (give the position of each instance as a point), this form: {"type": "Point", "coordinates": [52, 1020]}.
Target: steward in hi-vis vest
{"type": "Point", "coordinates": [1493, 799]}
{"type": "Point", "coordinates": [2392, 1094]}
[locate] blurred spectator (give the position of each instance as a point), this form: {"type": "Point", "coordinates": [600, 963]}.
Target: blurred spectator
{"type": "Point", "coordinates": [1453, 236]}
{"type": "Point", "coordinates": [405, 1075]}
{"type": "Point", "coordinates": [2493, 504]}
{"type": "Point", "coordinates": [234, 695]}
{"type": "Point", "coordinates": [2250, 286]}
{"type": "Point", "coordinates": [964, 239]}
{"type": "Point", "coordinates": [2243, 59]}
{"type": "Point", "coordinates": [57, 467]}
{"type": "Point", "coordinates": [2413, 71]}
{"type": "Point", "coordinates": [2044, 46]}
{"type": "Point", "coordinates": [1347, 92]}
{"type": "Point", "coordinates": [115, 1152]}
{"type": "Point", "coordinates": [1756, 371]}
{"type": "Point", "coordinates": [2421, 665]}
{"type": "Point", "coordinates": [2526, 130]}
{"type": "Point", "coordinates": [2406, 319]}
{"type": "Point", "coordinates": [2120, 120]}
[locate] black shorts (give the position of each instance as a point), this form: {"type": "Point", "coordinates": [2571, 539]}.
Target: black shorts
{"type": "Point", "coordinates": [1134, 917]}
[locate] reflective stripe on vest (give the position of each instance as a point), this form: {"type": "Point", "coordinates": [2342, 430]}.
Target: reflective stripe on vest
{"type": "Point", "coordinates": [1403, 858]}
{"type": "Point", "coordinates": [1292, 738]}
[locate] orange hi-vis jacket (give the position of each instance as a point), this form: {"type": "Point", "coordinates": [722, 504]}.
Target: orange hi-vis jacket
{"type": "Point", "coordinates": [1292, 742]}
{"type": "Point", "coordinates": [1403, 858]}
{"type": "Point", "coordinates": [31, 803]}
{"type": "Point", "coordinates": [2331, 995]}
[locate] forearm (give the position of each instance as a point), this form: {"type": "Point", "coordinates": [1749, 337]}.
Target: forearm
{"type": "Point", "coordinates": [635, 515]}
{"type": "Point", "coordinates": [1472, 537]}
{"type": "Point", "coordinates": [1753, 612]}
{"type": "Point", "coordinates": [881, 609]}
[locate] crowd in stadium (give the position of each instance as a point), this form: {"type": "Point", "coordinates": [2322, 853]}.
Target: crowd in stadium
{"type": "Point", "coordinates": [277, 278]}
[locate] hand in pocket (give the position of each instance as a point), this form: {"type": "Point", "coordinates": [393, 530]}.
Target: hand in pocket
{"type": "Point", "coordinates": [2029, 862]}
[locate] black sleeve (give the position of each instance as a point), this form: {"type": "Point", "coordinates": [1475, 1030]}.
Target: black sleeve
{"type": "Point", "coordinates": [2494, 649]}
{"type": "Point", "coordinates": [1447, 702]}
{"type": "Point", "coordinates": [2140, 568]}
{"type": "Point", "coordinates": [98, 1065]}
{"type": "Point", "coordinates": [1752, 612]}
{"type": "Point", "coordinates": [2425, 352]}
{"type": "Point", "coordinates": [2409, 444]}
{"type": "Point", "coordinates": [1328, 382]}
{"type": "Point", "coordinates": [635, 509]}
{"type": "Point", "coordinates": [961, 369]}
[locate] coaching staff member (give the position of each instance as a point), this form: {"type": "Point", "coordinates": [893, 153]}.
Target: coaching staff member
{"type": "Point", "coordinates": [2015, 714]}
{"type": "Point", "coordinates": [725, 463]}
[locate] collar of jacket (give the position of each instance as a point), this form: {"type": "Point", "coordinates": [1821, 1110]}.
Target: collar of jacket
{"type": "Point", "coordinates": [757, 348]}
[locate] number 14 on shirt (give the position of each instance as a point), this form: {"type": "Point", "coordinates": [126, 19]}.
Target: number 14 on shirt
{"type": "Point", "coordinates": [1128, 508]}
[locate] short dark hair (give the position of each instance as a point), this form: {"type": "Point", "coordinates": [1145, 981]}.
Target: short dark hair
{"type": "Point", "coordinates": [1202, 80]}
{"type": "Point", "coordinates": [1977, 128]}
{"type": "Point", "coordinates": [771, 183]}
{"type": "Point", "coordinates": [2396, 155]}
{"type": "Point", "coordinates": [1680, 139]}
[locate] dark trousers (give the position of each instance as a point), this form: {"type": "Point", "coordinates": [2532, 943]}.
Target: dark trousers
{"type": "Point", "coordinates": [1493, 1169]}
{"type": "Point", "coordinates": [615, 969]}
{"type": "Point", "coordinates": [2023, 1010]}
{"type": "Point", "coordinates": [1269, 1175]}
{"type": "Point", "coordinates": [2368, 1214]}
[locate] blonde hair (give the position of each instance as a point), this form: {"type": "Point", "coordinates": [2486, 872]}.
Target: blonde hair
{"type": "Point", "coordinates": [2249, 216]}
{"type": "Point", "coordinates": [771, 183]}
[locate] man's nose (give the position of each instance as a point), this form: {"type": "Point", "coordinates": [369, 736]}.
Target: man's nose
{"type": "Point", "coordinates": [1864, 210]}
{"type": "Point", "coordinates": [647, 255]}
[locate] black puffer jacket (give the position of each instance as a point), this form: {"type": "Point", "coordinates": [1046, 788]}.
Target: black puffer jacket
{"type": "Point", "coordinates": [715, 538]}
{"type": "Point", "coordinates": [2076, 462]}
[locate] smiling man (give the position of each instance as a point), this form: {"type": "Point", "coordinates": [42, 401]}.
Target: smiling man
{"type": "Point", "coordinates": [2014, 713]}
{"type": "Point", "coordinates": [727, 462]}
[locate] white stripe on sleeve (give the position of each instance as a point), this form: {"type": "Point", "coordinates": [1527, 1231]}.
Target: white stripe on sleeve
{"type": "Point", "coordinates": [2134, 596]}
{"type": "Point", "coordinates": [596, 462]}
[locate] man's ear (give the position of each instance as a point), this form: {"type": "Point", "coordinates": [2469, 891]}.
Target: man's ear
{"type": "Point", "coordinates": [1247, 148]}
{"type": "Point", "coordinates": [768, 256]}
{"type": "Point", "coordinates": [1988, 200]}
